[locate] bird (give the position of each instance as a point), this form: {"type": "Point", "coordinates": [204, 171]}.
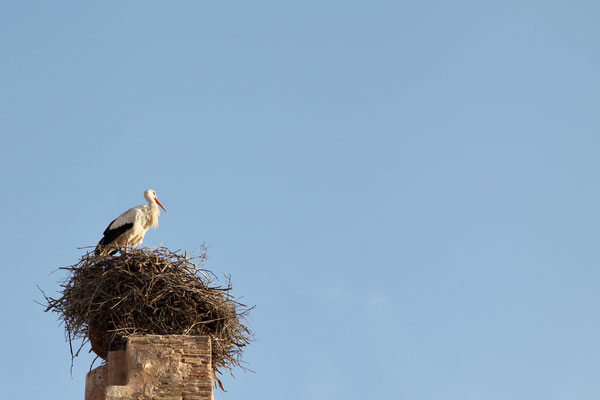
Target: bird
{"type": "Point", "coordinates": [129, 228]}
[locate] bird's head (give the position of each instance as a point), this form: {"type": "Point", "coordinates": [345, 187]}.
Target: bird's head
{"type": "Point", "coordinates": [150, 195]}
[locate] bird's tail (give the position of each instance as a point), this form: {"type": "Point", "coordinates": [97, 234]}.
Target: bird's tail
{"type": "Point", "coordinates": [104, 246]}
{"type": "Point", "coordinates": [105, 249]}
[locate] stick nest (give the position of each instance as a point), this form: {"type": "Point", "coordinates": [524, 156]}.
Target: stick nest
{"type": "Point", "coordinates": [149, 291]}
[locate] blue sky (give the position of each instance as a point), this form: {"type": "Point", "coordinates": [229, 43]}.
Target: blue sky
{"type": "Point", "coordinates": [407, 191]}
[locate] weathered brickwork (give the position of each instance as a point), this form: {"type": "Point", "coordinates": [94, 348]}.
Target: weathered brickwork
{"type": "Point", "coordinates": [169, 367]}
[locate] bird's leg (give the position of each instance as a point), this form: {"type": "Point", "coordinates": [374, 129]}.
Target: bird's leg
{"type": "Point", "coordinates": [126, 244]}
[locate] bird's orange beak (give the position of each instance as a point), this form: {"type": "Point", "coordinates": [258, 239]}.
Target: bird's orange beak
{"type": "Point", "coordinates": [160, 204]}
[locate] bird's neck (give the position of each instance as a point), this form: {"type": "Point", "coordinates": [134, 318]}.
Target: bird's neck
{"type": "Point", "coordinates": [154, 213]}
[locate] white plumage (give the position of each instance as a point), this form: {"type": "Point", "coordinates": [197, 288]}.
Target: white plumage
{"type": "Point", "coordinates": [130, 227]}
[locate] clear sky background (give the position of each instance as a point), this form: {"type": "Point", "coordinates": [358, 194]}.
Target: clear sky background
{"type": "Point", "coordinates": [407, 191]}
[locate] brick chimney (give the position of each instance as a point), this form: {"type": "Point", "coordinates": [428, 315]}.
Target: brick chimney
{"type": "Point", "coordinates": [155, 367]}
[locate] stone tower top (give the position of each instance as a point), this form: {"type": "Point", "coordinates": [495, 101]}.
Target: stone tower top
{"type": "Point", "coordinates": [155, 367]}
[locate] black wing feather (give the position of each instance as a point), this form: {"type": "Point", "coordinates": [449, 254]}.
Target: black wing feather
{"type": "Point", "coordinates": [110, 235]}
{"type": "Point", "coordinates": [108, 227]}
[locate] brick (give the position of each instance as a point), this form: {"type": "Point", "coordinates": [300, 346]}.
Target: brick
{"type": "Point", "coordinates": [155, 367]}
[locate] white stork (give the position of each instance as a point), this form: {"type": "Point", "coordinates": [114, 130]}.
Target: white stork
{"type": "Point", "coordinates": [130, 227]}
